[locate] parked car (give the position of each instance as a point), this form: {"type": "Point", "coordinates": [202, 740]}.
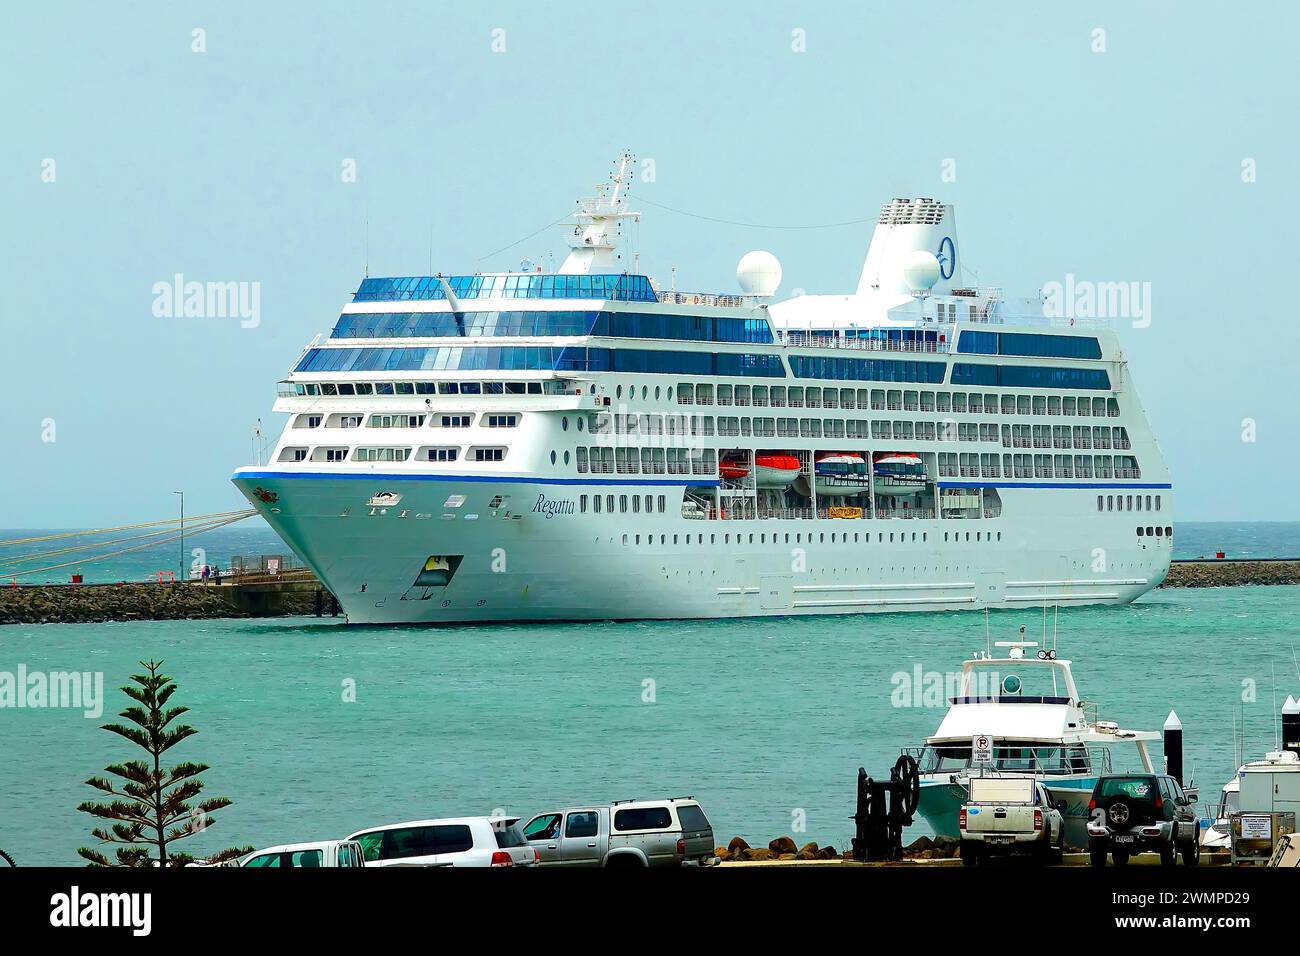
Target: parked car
{"type": "Point", "coordinates": [321, 853]}
{"type": "Point", "coordinates": [629, 833]}
{"type": "Point", "coordinates": [1004, 815]}
{"type": "Point", "coordinates": [1133, 813]}
{"type": "Point", "coordinates": [454, 841]}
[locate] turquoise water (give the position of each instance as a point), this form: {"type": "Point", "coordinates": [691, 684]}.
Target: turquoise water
{"type": "Point", "coordinates": [1239, 539]}
{"type": "Point", "coordinates": [761, 720]}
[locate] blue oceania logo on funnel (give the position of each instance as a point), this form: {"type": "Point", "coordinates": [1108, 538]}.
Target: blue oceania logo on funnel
{"type": "Point", "coordinates": [947, 257]}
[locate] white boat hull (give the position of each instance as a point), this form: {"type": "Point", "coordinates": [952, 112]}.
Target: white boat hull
{"type": "Point", "coordinates": [553, 562]}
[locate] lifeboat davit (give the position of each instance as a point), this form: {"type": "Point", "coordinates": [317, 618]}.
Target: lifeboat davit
{"type": "Point", "coordinates": [842, 475]}
{"type": "Point", "coordinates": [775, 471]}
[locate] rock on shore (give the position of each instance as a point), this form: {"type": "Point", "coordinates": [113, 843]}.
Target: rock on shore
{"type": "Point", "coordinates": [88, 604]}
{"type": "Point", "coordinates": [1219, 574]}
{"type": "Point", "coordinates": [784, 848]}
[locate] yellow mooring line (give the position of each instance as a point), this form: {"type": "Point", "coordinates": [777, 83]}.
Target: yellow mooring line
{"type": "Point", "coordinates": [202, 524]}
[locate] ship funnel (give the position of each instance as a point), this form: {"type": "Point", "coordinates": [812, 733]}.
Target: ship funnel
{"type": "Point", "coordinates": [908, 227]}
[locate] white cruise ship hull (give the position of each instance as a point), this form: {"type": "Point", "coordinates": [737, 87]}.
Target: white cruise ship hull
{"type": "Point", "coordinates": [538, 558]}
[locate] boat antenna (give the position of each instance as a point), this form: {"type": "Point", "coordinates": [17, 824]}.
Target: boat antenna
{"type": "Point", "coordinates": [1272, 676]}
{"type": "Point", "coordinates": [367, 248]}
{"type": "Point", "coordinates": [1243, 736]}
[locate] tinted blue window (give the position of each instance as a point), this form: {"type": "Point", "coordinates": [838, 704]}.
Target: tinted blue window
{"type": "Point", "coordinates": [979, 343]}
{"type": "Point", "coordinates": [367, 325]}
{"type": "Point", "coordinates": [632, 288]}
{"type": "Point", "coordinates": [573, 358]}
{"type": "Point", "coordinates": [688, 328]}
{"type": "Point", "coordinates": [1029, 376]}
{"type": "Point", "coordinates": [865, 370]}
{"type": "Point", "coordinates": [1029, 343]}
{"type": "Point", "coordinates": [637, 325]}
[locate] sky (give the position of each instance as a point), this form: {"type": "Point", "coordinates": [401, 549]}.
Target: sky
{"type": "Point", "coordinates": [1146, 142]}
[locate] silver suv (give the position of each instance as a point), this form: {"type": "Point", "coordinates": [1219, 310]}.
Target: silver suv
{"type": "Point", "coordinates": [627, 833]}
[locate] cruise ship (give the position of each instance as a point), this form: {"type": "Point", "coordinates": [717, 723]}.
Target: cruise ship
{"type": "Point", "coordinates": [585, 443]}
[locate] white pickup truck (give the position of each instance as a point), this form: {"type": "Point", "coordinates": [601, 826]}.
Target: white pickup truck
{"type": "Point", "coordinates": [1005, 815]}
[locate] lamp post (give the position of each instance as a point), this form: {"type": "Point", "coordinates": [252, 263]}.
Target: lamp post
{"type": "Point", "coordinates": [182, 555]}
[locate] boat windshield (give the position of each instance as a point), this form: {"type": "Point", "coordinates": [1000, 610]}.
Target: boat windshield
{"type": "Point", "coordinates": [1029, 681]}
{"type": "Point", "coordinates": [1230, 804]}
{"type": "Point", "coordinates": [1016, 758]}
{"type": "Point", "coordinates": [842, 467]}
{"type": "Point", "coordinates": [901, 469]}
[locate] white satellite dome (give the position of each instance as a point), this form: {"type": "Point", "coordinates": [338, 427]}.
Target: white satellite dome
{"type": "Point", "coordinates": [921, 270]}
{"type": "Point", "coordinates": [759, 273]}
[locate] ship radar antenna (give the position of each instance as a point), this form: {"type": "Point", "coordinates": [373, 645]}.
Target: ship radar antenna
{"type": "Point", "coordinates": [597, 224]}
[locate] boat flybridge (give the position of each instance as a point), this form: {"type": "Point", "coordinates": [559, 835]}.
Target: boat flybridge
{"type": "Point", "coordinates": [1021, 715]}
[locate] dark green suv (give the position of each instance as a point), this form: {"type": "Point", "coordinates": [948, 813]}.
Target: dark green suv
{"type": "Point", "coordinates": [1134, 813]}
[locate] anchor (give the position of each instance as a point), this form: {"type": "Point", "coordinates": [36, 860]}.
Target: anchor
{"type": "Point", "coordinates": [880, 824]}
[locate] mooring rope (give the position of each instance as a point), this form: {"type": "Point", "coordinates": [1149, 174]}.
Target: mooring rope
{"type": "Point", "coordinates": [126, 527]}
{"type": "Point", "coordinates": [139, 547]}
{"type": "Point", "coordinates": [197, 527]}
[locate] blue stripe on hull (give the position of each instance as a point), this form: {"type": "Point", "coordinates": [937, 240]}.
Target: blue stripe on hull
{"type": "Point", "coordinates": [505, 479]}
{"type": "Point", "coordinates": [1049, 484]}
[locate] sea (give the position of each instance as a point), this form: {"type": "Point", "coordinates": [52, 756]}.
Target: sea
{"type": "Point", "coordinates": [314, 729]}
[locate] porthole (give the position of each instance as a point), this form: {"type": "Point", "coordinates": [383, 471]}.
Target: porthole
{"type": "Point", "coordinates": [564, 423]}
{"type": "Point", "coordinates": [566, 457]}
{"type": "Point", "coordinates": [552, 456]}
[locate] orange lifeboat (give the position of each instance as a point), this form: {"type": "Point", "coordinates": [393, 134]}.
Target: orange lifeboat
{"type": "Point", "coordinates": [732, 470]}
{"type": "Point", "coordinates": [775, 471]}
